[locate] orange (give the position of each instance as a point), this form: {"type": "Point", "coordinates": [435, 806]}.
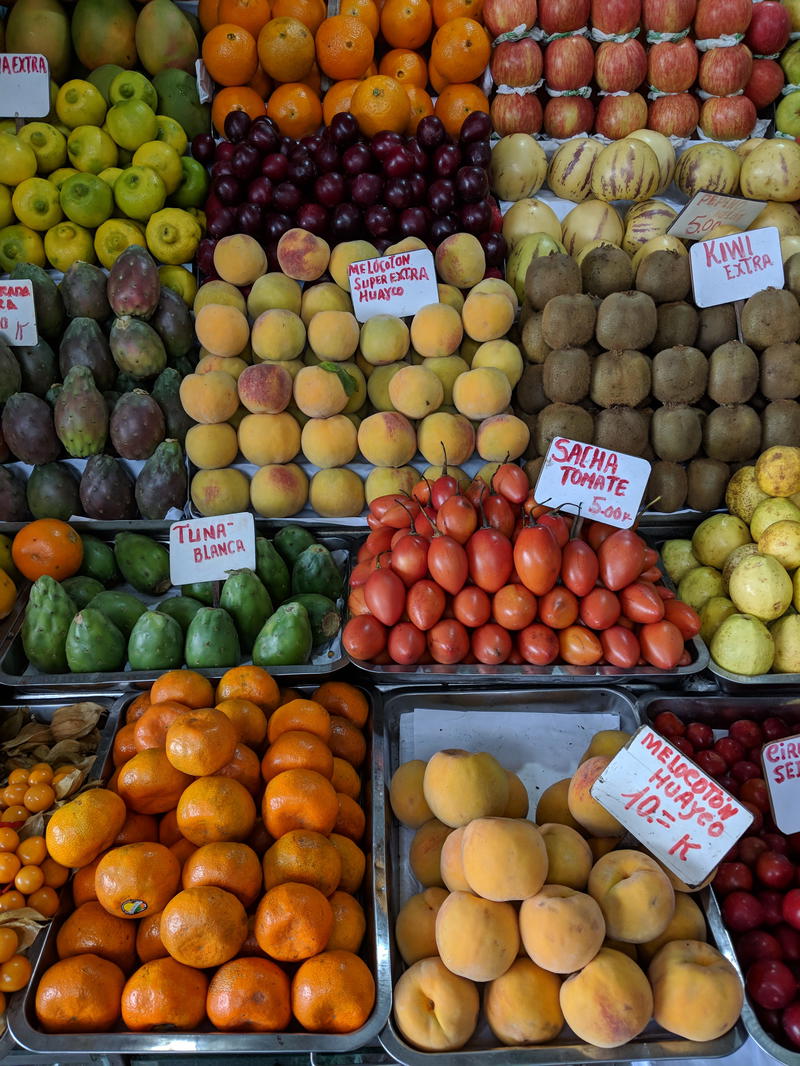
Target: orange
{"type": "Point", "coordinates": [225, 864]}
{"type": "Point", "coordinates": [297, 749]}
{"type": "Point", "coordinates": [409, 68]}
{"type": "Point", "coordinates": [259, 839]}
{"type": "Point", "coordinates": [286, 49]}
{"type": "Point", "coordinates": [406, 23]}
{"type": "Point", "coordinates": [347, 741]}
{"type": "Point", "coordinates": [135, 878]}
{"type": "Point", "coordinates": [83, 883]}
{"type": "Point", "coordinates": [366, 10]}
{"type": "Point", "coordinates": [261, 83]}
{"type": "Point", "coordinates": [249, 14]}
{"type": "Point", "coordinates": [48, 547]}
{"type": "Point", "coordinates": [207, 13]}
{"type": "Point", "coordinates": [306, 715]}
{"type": "Point", "coordinates": [421, 107]}
{"type": "Point", "coordinates": [306, 857]}
{"type": "Point", "coordinates": [338, 98]}
{"type": "Point", "coordinates": [351, 820]}
{"type": "Point", "coordinates": [457, 101]}
{"type": "Point", "coordinates": [249, 683]}
{"type": "Point", "coordinates": [447, 10]}
{"type": "Point", "coordinates": [243, 767]}
{"type": "Point", "coordinates": [249, 995]}
{"type": "Point", "coordinates": [150, 731]}
{"type": "Point", "coordinates": [200, 742]}
{"type": "Point", "coordinates": [349, 923]}
{"type": "Point", "coordinates": [438, 80]}
{"type": "Point", "coordinates": [150, 784]}
{"type": "Point", "coordinates": [380, 103]}
{"type": "Point", "coordinates": [124, 744]}
{"type": "Point", "coordinates": [136, 709]}
{"type": "Point", "coordinates": [354, 862]}
{"type": "Point", "coordinates": [239, 98]}
{"type": "Point", "coordinates": [313, 79]}
{"type": "Point", "coordinates": [299, 799]}
{"type": "Point", "coordinates": [345, 47]}
{"type": "Point", "coordinates": [85, 826]}
{"type": "Point", "coordinates": [310, 12]}
{"type": "Point", "coordinates": [216, 808]}
{"type": "Point", "coordinates": [136, 828]}
{"type": "Point", "coordinates": [92, 928]}
{"type": "Point", "coordinates": [229, 53]}
{"type": "Point", "coordinates": [293, 922]}
{"type": "Point", "coordinates": [168, 831]}
{"type": "Point", "coordinates": [79, 995]}
{"type": "Point", "coordinates": [333, 993]}
{"type": "Point", "coordinates": [183, 686]}
{"type": "Point", "coordinates": [295, 109]}
{"type": "Point", "coordinates": [148, 938]}
{"type": "Point", "coordinates": [164, 994]}
{"type": "Point", "coordinates": [182, 849]}
{"type": "Point", "coordinates": [248, 719]}
{"type": "Point", "coordinates": [289, 694]}
{"type": "Point", "coordinates": [203, 926]}
{"type": "Point", "coordinates": [461, 50]}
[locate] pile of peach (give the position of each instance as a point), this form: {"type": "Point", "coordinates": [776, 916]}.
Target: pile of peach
{"type": "Point", "coordinates": [559, 924]}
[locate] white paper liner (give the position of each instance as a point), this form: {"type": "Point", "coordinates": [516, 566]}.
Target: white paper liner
{"type": "Point", "coordinates": [205, 83]}
{"type": "Point", "coordinates": [518, 90]}
{"type": "Point", "coordinates": [654, 94]}
{"type": "Point", "coordinates": [514, 34]}
{"type": "Point", "coordinates": [715, 96]}
{"type": "Point", "coordinates": [538, 34]}
{"type": "Point", "coordinates": [617, 38]}
{"type": "Point", "coordinates": [619, 92]}
{"type": "Point", "coordinates": [773, 55]}
{"type": "Point", "coordinates": [727, 40]}
{"type": "Point", "coordinates": [657, 37]}
{"type": "Point", "coordinates": [585, 91]}
{"type": "Point", "coordinates": [787, 90]}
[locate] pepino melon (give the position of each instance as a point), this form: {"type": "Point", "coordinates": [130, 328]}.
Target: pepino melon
{"type": "Point", "coordinates": [103, 31]}
{"type": "Point", "coordinates": [41, 26]}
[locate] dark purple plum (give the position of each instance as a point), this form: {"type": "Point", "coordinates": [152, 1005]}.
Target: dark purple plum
{"type": "Point", "coordinates": [414, 222]}
{"type": "Point", "coordinates": [366, 189]}
{"type": "Point", "coordinates": [330, 189]}
{"type": "Point", "coordinates": [286, 196]}
{"type": "Point", "coordinates": [397, 193]}
{"type": "Point", "coordinates": [203, 147]}
{"type": "Point", "coordinates": [236, 126]}
{"type": "Point", "coordinates": [327, 157]}
{"type": "Point", "coordinates": [441, 196]}
{"type": "Point", "coordinates": [224, 166]}
{"type": "Point", "coordinates": [345, 222]}
{"type": "Point", "coordinates": [344, 129]}
{"type": "Point", "coordinates": [223, 151]}
{"type": "Point", "coordinates": [250, 219]}
{"type": "Point", "coordinates": [417, 154]}
{"type": "Point", "coordinates": [472, 184]}
{"type": "Point", "coordinates": [443, 227]}
{"type": "Point", "coordinates": [385, 142]}
{"type": "Point", "coordinates": [398, 163]}
{"type": "Point", "coordinates": [477, 126]}
{"type": "Point", "coordinates": [222, 222]}
{"type": "Point", "coordinates": [495, 248]}
{"type": "Point", "coordinates": [275, 225]}
{"type": "Point", "coordinates": [288, 145]}
{"type": "Point", "coordinates": [382, 243]}
{"type": "Point", "coordinates": [259, 191]}
{"type": "Point", "coordinates": [419, 188]}
{"type": "Point", "coordinates": [302, 170]}
{"type": "Point", "coordinates": [379, 220]}
{"type": "Point", "coordinates": [431, 133]}
{"type": "Point", "coordinates": [275, 166]}
{"type": "Point", "coordinates": [476, 218]}
{"type": "Point", "coordinates": [245, 161]}
{"type": "Point", "coordinates": [312, 217]}
{"type": "Point", "coordinates": [205, 255]}
{"type": "Point", "coordinates": [357, 159]}
{"type": "Point", "coordinates": [477, 153]}
{"type": "Point", "coordinates": [263, 135]}
{"type": "Point", "coordinates": [446, 160]}
{"type": "Point", "coordinates": [227, 189]}
{"type": "Point", "coordinates": [311, 142]}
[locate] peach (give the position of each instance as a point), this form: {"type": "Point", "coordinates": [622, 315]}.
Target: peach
{"type": "Point", "coordinates": [481, 393]}
{"type": "Point", "coordinates": [522, 1005]}
{"type": "Point", "coordinates": [487, 316]}
{"type": "Point", "coordinates": [378, 385]}
{"type": "Point", "coordinates": [324, 296]}
{"type": "Point", "coordinates": [358, 398]}
{"type": "Point", "coordinates": [218, 292]}
{"type": "Point", "coordinates": [387, 438]}
{"type": "Point", "coordinates": [608, 742]}
{"type": "Point", "coordinates": [562, 930]}
{"type": "Point", "coordinates": [336, 493]}
{"type": "Point", "coordinates": [209, 397]}
{"type": "Point", "coordinates": [302, 255]}
{"type": "Point", "coordinates": [384, 339]}
{"type": "Point", "coordinates": [436, 330]}
{"type": "Point", "coordinates": [601, 846]}
{"type": "Point", "coordinates": [265, 389]}
{"type": "Point", "coordinates": [211, 447]}
{"type": "Point", "coordinates": [634, 895]}
{"type": "Point", "coordinates": [328, 442]}
{"type": "Point", "coordinates": [385, 479]}
{"type": "Point", "coordinates": [460, 260]}
{"type": "Point", "coordinates": [274, 291]}
{"type": "Point", "coordinates": [584, 808]}
{"type": "Point", "coordinates": [477, 938]}
{"type": "Point", "coordinates": [609, 1002]}
{"type": "Point", "coordinates": [239, 259]}
{"type": "Point", "coordinates": [626, 949]}
{"type": "Point", "coordinates": [497, 285]}
{"type": "Point", "coordinates": [501, 355]}
{"type": "Point", "coordinates": [415, 925]}
{"type": "Point", "coordinates": [503, 858]}
{"type": "Point", "coordinates": [407, 244]}
{"type": "Point", "coordinates": [450, 864]}
{"type": "Point", "coordinates": [344, 255]}
{"type": "Point", "coordinates": [468, 349]}
{"type": "Point", "coordinates": [221, 329]}
{"type": "Point", "coordinates": [426, 848]}
{"type": "Point", "coordinates": [687, 923]}
{"type": "Point", "coordinates": [406, 796]}
{"type": "Point", "coordinates": [432, 472]}
{"type": "Point", "coordinates": [333, 335]}
{"type": "Point", "coordinates": [447, 369]}
{"type": "Point", "coordinates": [518, 802]}
{"type": "Point", "coordinates": [434, 1009]}
{"type": "Point", "coordinates": [502, 438]}
{"type": "Point", "coordinates": [697, 993]}
{"type": "Point", "coordinates": [278, 335]}
{"type": "Point", "coordinates": [292, 366]}
{"type": "Point", "coordinates": [415, 391]}
{"type": "Point", "coordinates": [216, 492]}
{"type": "Point", "coordinates": [553, 806]}
{"type": "Point", "coordinates": [279, 491]}
{"type": "Point", "coordinates": [444, 437]}
{"type": "Point", "coordinates": [228, 364]}
{"type": "Point", "coordinates": [569, 856]}
{"type": "Point", "coordinates": [265, 439]}
{"type": "Point", "coordinates": [461, 785]}
{"type": "Point", "coordinates": [319, 393]}
{"type": "Point", "coordinates": [450, 295]}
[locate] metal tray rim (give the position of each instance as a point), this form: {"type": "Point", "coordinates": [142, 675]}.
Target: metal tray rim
{"type": "Point", "coordinates": [730, 682]}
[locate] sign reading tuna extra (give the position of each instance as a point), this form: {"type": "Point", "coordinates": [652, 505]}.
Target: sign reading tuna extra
{"type": "Point", "coordinates": [24, 84]}
{"type": "Point", "coordinates": [727, 269]}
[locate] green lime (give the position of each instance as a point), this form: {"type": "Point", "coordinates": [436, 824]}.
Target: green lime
{"type": "Point", "coordinates": [164, 160]}
{"type": "Point", "coordinates": [130, 85]}
{"type": "Point", "coordinates": [20, 244]}
{"type": "Point", "coordinates": [101, 77]}
{"type": "Point", "coordinates": [131, 124]}
{"type": "Point", "coordinates": [79, 103]}
{"type": "Point", "coordinates": [48, 144]}
{"type": "Point", "coordinates": [66, 243]}
{"type": "Point", "coordinates": [17, 160]}
{"type": "Point", "coordinates": [139, 192]}
{"type": "Point", "coordinates": [171, 132]}
{"type": "Point", "coordinates": [87, 200]}
{"type": "Point", "coordinates": [193, 188]}
{"type": "Point", "coordinates": [36, 203]}
{"type": "Point", "coordinates": [90, 150]}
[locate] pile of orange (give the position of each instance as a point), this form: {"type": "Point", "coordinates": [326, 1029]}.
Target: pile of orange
{"type": "Point", "coordinates": [218, 870]}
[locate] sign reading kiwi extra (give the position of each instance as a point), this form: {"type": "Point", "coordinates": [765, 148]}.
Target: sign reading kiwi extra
{"type": "Point", "coordinates": [17, 314]}
{"type": "Point", "coordinates": [207, 549]}
{"type": "Point", "coordinates": [780, 760]}
{"type": "Point", "coordinates": [593, 482]}
{"type": "Point", "coordinates": [393, 284]}
{"type": "Point", "coordinates": [665, 800]}
{"type": "Point", "coordinates": [24, 84]}
{"type": "Point", "coordinates": [708, 210]}
{"type": "Point", "coordinates": [727, 269]}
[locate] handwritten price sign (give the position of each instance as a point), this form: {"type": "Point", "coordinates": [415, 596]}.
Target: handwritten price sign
{"type": "Point", "coordinates": [393, 284]}
{"type": "Point", "coordinates": [208, 549]}
{"type": "Point", "coordinates": [24, 84]}
{"type": "Point", "coordinates": [781, 763]}
{"type": "Point", "coordinates": [727, 269]}
{"type": "Point", "coordinates": [708, 210]}
{"type": "Point", "coordinates": [17, 313]}
{"type": "Point", "coordinates": [666, 801]}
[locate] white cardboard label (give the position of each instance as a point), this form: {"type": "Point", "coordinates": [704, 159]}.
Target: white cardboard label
{"type": "Point", "coordinates": [207, 549]}
{"type": "Point", "coordinates": [594, 482]}
{"type": "Point", "coordinates": [393, 284]}
{"type": "Point", "coordinates": [671, 806]}
{"type": "Point", "coordinates": [727, 269]}
{"type": "Point", "coordinates": [24, 84]}
{"type": "Point", "coordinates": [781, 762]}
{"type": "Point", "coordinates": [18, 314]}
{"type": "Point", "coordinates": [707, 210]}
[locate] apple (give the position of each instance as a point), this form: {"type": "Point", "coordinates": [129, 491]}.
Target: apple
{"type": "Point", "coordinates": [769, 29]}
{"type": "Point", "coordinates": [562, 16]}
{"type": "Point", "coordinates": [787, 114]}
{"type": "Point", "coordinates": [567, 116]}
{"type": "Point", "coordinates": [727, 118]}
{"type": "Point", "coordinates": [668, 16]}
{"type": "Point", "coordinates": [500, 16]}
{"type": "Point", "coordinates": [617, 116]}
{"type": "Point", "coordinates": [616, 16]}
{"type": "Point", "coordinates": [512, 113]}
{"type": "Point", "coordinates": [672, 65]}
{"type": "Point", "coordinates": [568, 63]}
{"type": "Point", "coordinates": [620, 66]}
{"type": "Point", "coordinates": [718, 18]}
{"type": "Point", "coordinates": [517, 63]}
{"type": "Point", "coordinates": [724, 71]}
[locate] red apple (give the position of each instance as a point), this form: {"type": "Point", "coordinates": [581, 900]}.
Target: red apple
{"type": "Point", "coordinates": [617, 116]}
{"type": "Point", "coordinates": [718, 18]}
{"type": "Point", "coordinates": [616, 16]}
{"type": "Point", "coordinates": [512, 113]}
{"type": "Point", "coordinates": [620, 67]}
{"type": "Point", "coordinates": [668, 16]}
{"type": "Point", "coordinates": [568, 63]}
{"type": "Point", "coordinates": [769, 28]}
{"type": "Point", "coordinates": [724, 71]}
{"type": "Point", "coordinates": [727, 118]}
{"type": "Point", "coordinates": [766, 82]}
{"type": "Point", "coordinates": [517, 63]}
{"type": "Point", "coordinates": [672, 65]}
{"type": "Point", "coordinates": [567, 116]}
{"type": "Point", "coordinates": [562, 16]}
{"type": "Point", "coordinates": [674, 116]}
{"type": "Point", "coordinates": [500, 16]}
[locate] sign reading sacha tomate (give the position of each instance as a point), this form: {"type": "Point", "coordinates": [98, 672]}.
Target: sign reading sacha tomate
{"type": "Point", "coordinates": [207, 549]}
{"type": "Point", "coordinates": [781, 762]}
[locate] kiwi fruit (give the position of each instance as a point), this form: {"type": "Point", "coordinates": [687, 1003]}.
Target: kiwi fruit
{"type": "Point", "coordinates": [780, 424]}
{"type": "Point", "coordinates": [532, 468]}
{"type": "Point", "coordinates": [626, 320]}
{"type": "Point", "coordinates": [791, 271]}
{"type": "Point", "coordinates": [525, 311]}
{"type": "Point", "coordinates": [677, 325]}
{"type": "Point", "coordinates": [532, 340]}
{"type": "Point", "coordinates": [567, 374]}
{"type": "Point", "coordinates": [563, 420]}
{"type": "Point", "coordinates": [780, 370]}
{"type": "Point", "coordinates": [772, 316]}
{"type": "Point", "coordinates": [732, 434]}
{"type": "Point", "coordinates": [680, 375]}
{"type": "Point", "coordinates": [620, 378]}
{"type": "Point", "coordinates": [551, 275]}
{"type": "Point", "coordinates": [708, 479]}
{"type": "Point", "coordinates": [732, 373]}
{"type": "Point", "coordinates": [666, 487]}
{"type": "Point", "coordinates": [530, 394]}
{"type": "Point", "coordinates": [676, 432]}
{"type": "Point", "coordinates": [716, 325]}
{"type": "Point", "coordinates": [665, 275]}
{"type": "Point", "coordinates": [530, 421]}
{"type": "Point", "coordinates": [622, 428]}
{"type": "Point", "coordinates": [568, 321]}
{"type": "Point", "coordinates": [606, 270]}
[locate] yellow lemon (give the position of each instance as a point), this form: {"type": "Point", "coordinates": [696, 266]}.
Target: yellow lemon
{"type": "Point", "coordinates": [20, 244]}
{"type": "Point", "coordinates": [17, 160]}
{"type": "Point", "coordinates": [173, 235]}
{"type": "Point", "coordinates": [131, 85]}
{"type": "Point", "coordinates": [113, 237]}
{"type": "Point", "coordinates": [131, 123]}
{"type": "Point", "coordinates": [139, 192]}
{"type": "Point", "coordinates": [48, 144]}
{"type": "Point", "coordinates": [58, 177]}
{"type": "Point", "coordinates": [79, 103]}
{"type": "Point", "coordinates": [86, 200]}
{"type": "Point", "coordinates": [90, 150]}
{"type": "Point", "coordinates": [6, 210]}
{"type": "Point", "coordinates": [36, 203]}
{"type": "Point", "coordinates": [180, 280]}
{"type": "Point", "coordinates": [8, 125]}
{"type": "Point", "coordinates": [66, 244]}
{"type": "Point", "coordinates": [110, 175]}
{"type": "Point", "coordinates": [171, 132]}
{"type": "Point", "coordinates": [164, 160]}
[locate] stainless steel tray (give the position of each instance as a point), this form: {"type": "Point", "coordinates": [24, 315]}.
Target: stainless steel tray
{"type": "Point", "coordinates": [654, 1043]}
{"type": "Point", "coordinates": [741, 684]}
{"type": "Point", "coordinates": [23, 1024]}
